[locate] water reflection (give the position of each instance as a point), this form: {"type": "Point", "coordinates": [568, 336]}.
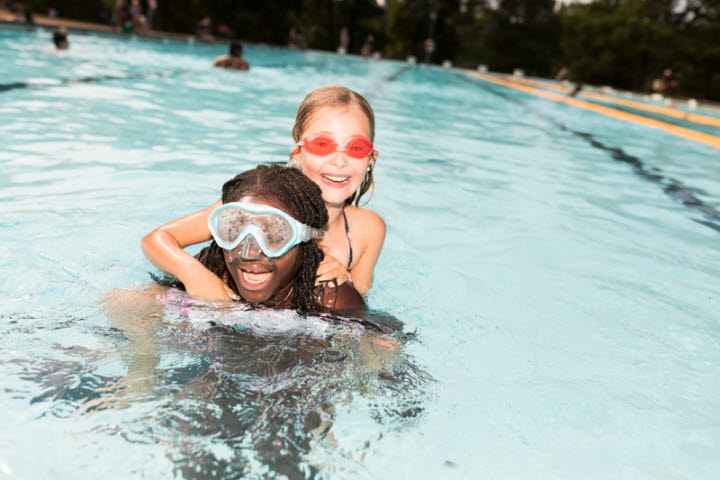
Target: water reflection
{"type": "Point", "coordinates": [242, 393]}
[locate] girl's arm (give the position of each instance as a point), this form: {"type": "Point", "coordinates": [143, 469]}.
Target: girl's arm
{"type": "Point", "coordinates": [372, 228]}
{"type": "Point", "coordinates": [164, 248]}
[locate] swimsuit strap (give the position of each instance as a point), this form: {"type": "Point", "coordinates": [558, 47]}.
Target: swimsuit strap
{"type": "Point", "coordinates": [349, 239]}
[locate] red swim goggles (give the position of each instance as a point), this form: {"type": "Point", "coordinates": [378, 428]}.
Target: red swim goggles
{"type": "Point", "coordinates": [322, 146]}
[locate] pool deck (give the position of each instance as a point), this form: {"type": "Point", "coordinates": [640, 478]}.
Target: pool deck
{"type": "Point", "coordinates": [10, 20]}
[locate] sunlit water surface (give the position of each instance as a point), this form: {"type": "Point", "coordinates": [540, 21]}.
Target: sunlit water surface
{"type": "Point", "coordinates": [562, 287]}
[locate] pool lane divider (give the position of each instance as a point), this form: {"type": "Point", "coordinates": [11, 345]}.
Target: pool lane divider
{"type": "Point", "coordinates": [668, 112]}
{"type": "Point", "coordinates": [674, 189]}
{"type": "Point", "coordinates": [4, 87]}
{"type": "Point", "coordinates": [686, 133]}
{"type": "Point", "coordinates": [377, 88]}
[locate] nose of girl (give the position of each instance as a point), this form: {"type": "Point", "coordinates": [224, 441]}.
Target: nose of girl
{"type": "Point", "coordinates": [339, 158]}
{"type": "Point", "coordinates": [249, 249]}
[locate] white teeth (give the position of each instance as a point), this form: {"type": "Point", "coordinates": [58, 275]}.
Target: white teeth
{"type": "Point", "coordinates": [252, 277]}
{"type": "Point", "coordinates": [335, 179]}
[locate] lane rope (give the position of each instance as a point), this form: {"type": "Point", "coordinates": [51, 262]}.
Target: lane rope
{"type": "Point", "coordinates": [686, 133]}
{"type": "Point", "coordinates": [669, 112]}
{"type": "Point", "coordinates": [674, 189]}
{"type": "Point", "coordinates": [5, 87]}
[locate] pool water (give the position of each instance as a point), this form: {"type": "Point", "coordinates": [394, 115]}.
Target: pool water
{"type": "Point", "coordinates": [559, 270]}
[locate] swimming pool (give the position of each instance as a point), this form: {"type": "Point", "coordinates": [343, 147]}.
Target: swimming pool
{"type": "Point", "coordinates": [560, 270]}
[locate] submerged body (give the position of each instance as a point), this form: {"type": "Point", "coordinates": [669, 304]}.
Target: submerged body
{"type": "Point", "coordinates": [260, 385]}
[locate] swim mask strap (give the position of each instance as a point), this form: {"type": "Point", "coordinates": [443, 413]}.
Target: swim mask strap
{"type": "Point", "coordinates": [310, 233]}
{"type": "Point", "coordinates": [292, 164]}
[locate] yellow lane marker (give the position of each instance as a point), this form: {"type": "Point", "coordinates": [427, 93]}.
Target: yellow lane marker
{"type": "Point", "coordinates": [701, 137]}
{"type": "Point", "coordinates": [670, 112]}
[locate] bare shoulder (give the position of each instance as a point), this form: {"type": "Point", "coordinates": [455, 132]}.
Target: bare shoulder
{"type": "Point", "coordinates": [365, 222]}
{"type": "Point", "coordinates": [221, 61]}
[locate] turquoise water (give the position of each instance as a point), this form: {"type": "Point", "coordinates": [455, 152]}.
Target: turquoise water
{"type": "Point", "coordinates": [559, 269]}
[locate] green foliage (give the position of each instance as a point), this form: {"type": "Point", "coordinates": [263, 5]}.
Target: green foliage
{"type": "Point", "coordinates": [623, 43]}
{"type": "Point", "coordinates": [628, 43]}
{"type": "Point", "coordinates": [520, 34]}
{"type": "Point", "coordinates": [79, 9]}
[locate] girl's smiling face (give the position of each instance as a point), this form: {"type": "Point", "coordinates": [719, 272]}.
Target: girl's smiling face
{"type": "Point", "coordinates": [338, 175]}
{"type": "Point", "coordinates": [258, 278]}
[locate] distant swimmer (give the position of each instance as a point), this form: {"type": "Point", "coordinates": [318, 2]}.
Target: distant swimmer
{"type": "Point", "coordinates": [60, 38]}
{"type": "Point", "coordinates": [665, 84]}
{"type": "Point", "coordinates": [234, 60]}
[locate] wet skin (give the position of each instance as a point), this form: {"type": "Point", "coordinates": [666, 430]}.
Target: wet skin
{"type": "Point", "coordinates": [258, 278]}
{"type": "Point", "coordinates": [338, 175]}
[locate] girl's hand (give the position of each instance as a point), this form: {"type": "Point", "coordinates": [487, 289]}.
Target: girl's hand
{"type": "Point", "coordinates": [330, 269]}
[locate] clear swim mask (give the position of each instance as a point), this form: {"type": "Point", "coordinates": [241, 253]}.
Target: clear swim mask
{"type": "Point", "coordinates": [273, 230]}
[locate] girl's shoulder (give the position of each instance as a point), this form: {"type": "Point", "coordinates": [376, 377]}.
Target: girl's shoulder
{"type": "Point", "coordinates": [364, 220]}
{"type": "Point", "coordinates": [367, 229]}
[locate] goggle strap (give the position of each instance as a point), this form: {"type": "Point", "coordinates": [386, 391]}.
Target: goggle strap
{"type": "Point", "coordinates": [309, 233]}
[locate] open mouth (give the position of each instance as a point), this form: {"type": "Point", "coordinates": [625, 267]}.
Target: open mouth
{"type": "Point", "coordinates": [254, 280]}
{"type": "Point", "coordinates": [336, 180]}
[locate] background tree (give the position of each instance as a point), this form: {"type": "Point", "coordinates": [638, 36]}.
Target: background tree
{"type": "Point", "coordinates": [623, 43]}
{"type": "Point", "coordinates": [521, 34]}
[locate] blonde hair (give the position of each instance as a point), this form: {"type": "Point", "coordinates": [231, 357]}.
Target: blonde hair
{"type": "Point", "coordinates": [337, 97]}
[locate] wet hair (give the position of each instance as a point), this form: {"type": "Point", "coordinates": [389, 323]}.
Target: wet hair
{"type": "Point", "coordinates": [302, 199]}
{"type": "Point", "coordinates": [236, 48]}
{"type": "Point", "coordinates": [336, 97]}
{"type": "Point", "coordinates": [60, 40]}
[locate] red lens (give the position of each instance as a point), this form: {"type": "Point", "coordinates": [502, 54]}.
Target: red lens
{"type": "Point", "coordinates": [320, 146]}
{"type": "Point", "coordinates": [359, 147]}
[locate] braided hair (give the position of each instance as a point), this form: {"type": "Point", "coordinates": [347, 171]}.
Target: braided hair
{"type": "Point", "coordinates": [303, 199]}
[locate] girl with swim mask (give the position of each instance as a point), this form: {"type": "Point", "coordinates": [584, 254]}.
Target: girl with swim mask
{"type": "Point", "coordinates": [333, 133]}
{"type": "Point", "coordinates": [264, 246]}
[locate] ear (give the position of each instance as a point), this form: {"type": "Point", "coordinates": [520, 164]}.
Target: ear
{"type": "Point", "coordinates": [375, 154]}
{"type": "Point", "coordinates": [295, 154]}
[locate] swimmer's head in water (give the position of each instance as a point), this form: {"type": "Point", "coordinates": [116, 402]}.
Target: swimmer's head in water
{"type": "Point", "coordinates": [336, 97]}
{"type": "Point", "coordinates": [287, 190]}
{"type": "Point", "coordinates": [60, 38]}
{"type": "Point", "coordinates": [236, 49]}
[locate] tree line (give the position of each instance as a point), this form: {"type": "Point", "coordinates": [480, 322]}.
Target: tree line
{"type": "Point", "coordinates": [622, 43]}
